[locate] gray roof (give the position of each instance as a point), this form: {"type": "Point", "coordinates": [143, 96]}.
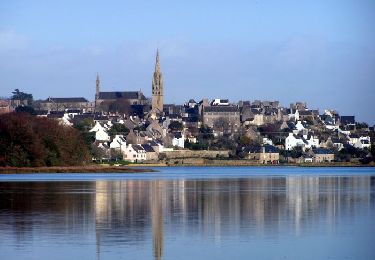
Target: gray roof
{"type": "Point", "coordinates": [347, 120]}
{"type": "Point", "coordinates": [148, 148]}
{"type": "Point", "coordinates": [124, 95]}
{"type": "Point", "coordinates": [137, 148]}
{"type": "Point", "coordinates": [322, 151]}
{"type": "Point", "coordinates": [221, 109]}
{"type": "Point", "coordinates": [305, 112]}
{"type": "Point", "coordinates": [258, 149]}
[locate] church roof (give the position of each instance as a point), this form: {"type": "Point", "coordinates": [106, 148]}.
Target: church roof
{"type": "Point", "coordinates": [66, 100]}
{"type": "Point", "coordinates": [123, 94]}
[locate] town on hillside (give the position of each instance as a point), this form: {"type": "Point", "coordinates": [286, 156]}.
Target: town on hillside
{"type": "Point", "coordinates": [126, 125]}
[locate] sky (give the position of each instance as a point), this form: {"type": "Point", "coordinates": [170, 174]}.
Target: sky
{"type": "Point", "coordinates": [321, 52]}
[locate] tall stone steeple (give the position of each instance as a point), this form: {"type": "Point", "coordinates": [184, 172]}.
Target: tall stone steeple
{"type": "Point", "coordinates": [97, 87]}
{"type": "Point", "coordinates": [157, 87]}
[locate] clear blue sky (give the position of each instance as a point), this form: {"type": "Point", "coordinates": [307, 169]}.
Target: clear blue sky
{"type": "Point", "coordinates": [321, 52]}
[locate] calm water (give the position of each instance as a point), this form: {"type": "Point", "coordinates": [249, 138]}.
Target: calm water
{"type": "Point", "coordinates": [190, 213]}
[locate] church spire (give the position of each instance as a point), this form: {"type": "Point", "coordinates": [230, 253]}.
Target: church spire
{"type": "Point", "coordinates": [157, 63]}
{"type": "Point", "coordinates": [157, 87]}
{"type": "Point", "coordinates": [97, 86]}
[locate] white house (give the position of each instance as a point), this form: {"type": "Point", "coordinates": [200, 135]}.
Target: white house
{"type": "Point", "coordinates": [97, 127]}
{"type": "Point", "coordinates": [267, 141]}
{"type": "Point", "coordinates": [353, 139]}
{"type": "Point", "coordinates": [363, 142]}
{"type": "Point", "coordinates": [312, 142]}
{"type": "Point", "coordinates": [220, 102]}
{"type": "Point", "coordinates": [118, 143]}
{"type": "Point", "coordinates": [293, 141]}
{"type": "Point", "coordinates": [299, 126]}
{"type": "Point", "coordinates": [100, 132]}
{"type": "Point", "coordinates": [134, 153]}
{"type": "Point", "coordinates": [65, 120]}
{"type": "Point", "coordinates": [178, 140]}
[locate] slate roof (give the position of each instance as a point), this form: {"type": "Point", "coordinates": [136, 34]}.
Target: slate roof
{"type": "Point", "coordinates": [178, 135]}
{"type": "Point", "coordinates": [66, 100]}
{"type": "Point", "coordinates": [221, 109]}
{"type": "Point", "coordinates": [347, 120]}
{"type": "Point", "coordinates": [101, 118]}
{"type": "Point", "coordinates": [123, 94]}
{"type": "Point", "coordinates": [148, 148]}
{"type": "Point", "coordinates": [74, 111]}
{"type": "Point", "coordinates": [258, 149]}
{"type": "Point", "coordinates": [41, 112]}
{"type": "Point", "coordinates": [322, 151]}
{"type": "Point", "coordinates": [305, 112]}
{"type": "Point", "coordinates": [138, 148]}
{"type": "Point", "coordinates": [193, 119]}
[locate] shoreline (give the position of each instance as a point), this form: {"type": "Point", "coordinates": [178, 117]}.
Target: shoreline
{"type": "Point", "coordinates": [137, 168]}
{"type": "Point", "coordinates": [73, 169]}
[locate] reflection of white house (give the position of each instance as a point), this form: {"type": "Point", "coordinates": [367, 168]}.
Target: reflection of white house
{"type": "Point", "coordinates": [118, 143]}
{"type": "Point", "coordinates": [100, 132]}
{"type": "Point", "coordinates": [178, 140]}
{"type": "Point", "coordinates": [134, 153]}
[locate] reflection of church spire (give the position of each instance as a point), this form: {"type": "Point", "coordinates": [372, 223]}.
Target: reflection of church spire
{"type": "Point", "coordinates": [157, 220]}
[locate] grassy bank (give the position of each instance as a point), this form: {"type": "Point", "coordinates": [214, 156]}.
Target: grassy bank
{"type": "Point", "coordinates": [74, 169]}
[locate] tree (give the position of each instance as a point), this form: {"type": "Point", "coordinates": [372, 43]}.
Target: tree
{"type": "Point", "coordinates": [118, 129]}
{"type": "Point", "coordinates": [18, 95]}
{"type": "Point", "coordinates": [175, 126]}
{"type": "Point", "coordinates": [221, 124]}
{"type": "Point", "coordinates": [26, 109]}
{"type": "Point", "coordinates": [244, 140]}
{"type": "Point", "coordinates": [27, 140]}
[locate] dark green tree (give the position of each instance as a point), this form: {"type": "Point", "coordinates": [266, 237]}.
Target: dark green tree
{"type": "Point", "coordinates": [18, 95]}
{"type": "Point", "coordinates": [118, 129]}
{"type": "Point", "coordinates": [175, 126]}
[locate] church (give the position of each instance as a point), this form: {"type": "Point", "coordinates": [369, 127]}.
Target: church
{"type": "Point", "coordinates": [123, 101]}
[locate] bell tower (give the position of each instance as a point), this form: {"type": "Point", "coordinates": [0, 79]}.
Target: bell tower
{"type": "Point", "coordinates": [157, 87]}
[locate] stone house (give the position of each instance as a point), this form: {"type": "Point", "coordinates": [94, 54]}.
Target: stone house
{"type": "Point", "coordinates": [151, 154]}
{"type": "Point", "coordinates": [134, 153]}
{"type": "Point", "coordinates": [231, 114]}
{"type": "Point", "coordinates": [323, 155]}
{"type": "Point", "coordinates": [62, 104]}
{"type": "Point", "coordinates": [263, 154]}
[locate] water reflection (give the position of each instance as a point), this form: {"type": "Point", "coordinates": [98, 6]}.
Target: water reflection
{"type": "Point", "coordinates": [141, 213]}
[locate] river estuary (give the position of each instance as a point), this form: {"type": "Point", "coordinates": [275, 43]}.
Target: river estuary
{"type": "Point", "coordinates": [190, 213]}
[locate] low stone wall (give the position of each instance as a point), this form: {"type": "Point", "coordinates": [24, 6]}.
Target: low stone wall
{"type": "Point", "coordinates": [179, 154]}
